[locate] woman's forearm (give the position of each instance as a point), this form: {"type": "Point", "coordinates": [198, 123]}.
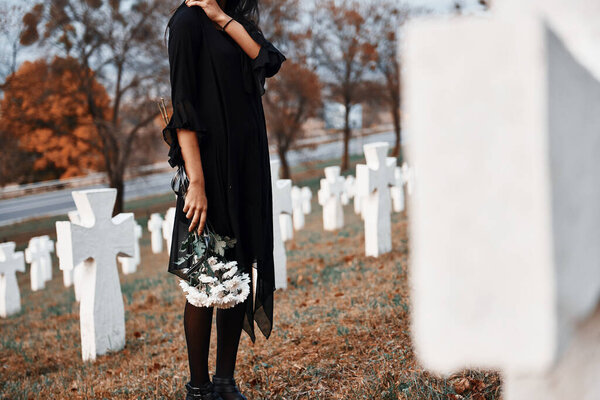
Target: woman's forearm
{"type": "Point", "coordinates": [188, 141]}
{"type": "Point", "coordinates": [240, 35]}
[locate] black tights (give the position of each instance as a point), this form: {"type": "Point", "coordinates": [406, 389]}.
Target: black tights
{"type": "Point", "coordinates": [197, 322]}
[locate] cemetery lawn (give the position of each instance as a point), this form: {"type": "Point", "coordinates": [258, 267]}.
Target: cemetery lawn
{"type": "Point", "coordinates": [341, 332]}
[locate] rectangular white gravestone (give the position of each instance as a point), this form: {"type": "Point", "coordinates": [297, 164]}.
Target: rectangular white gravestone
{"type": "Point", "coordinates": [10, 263]}
{"type": "Point", "coordinates": [373, 182]}
{"type": "Point", "coordinates": [282, 203]}
{"type": "Point", "coordinates": [329, 197]}
{"type": "Point", "coordinates": [98, 239]}
{"type": "Point", "coordinates": [287, 226]}
{"type": "Point", "coordinates": [505, 215]}
{"type": "Point", "coordinates": [155, 223]}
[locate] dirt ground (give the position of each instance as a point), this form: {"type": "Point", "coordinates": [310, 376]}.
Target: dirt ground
{"type": "Point", "coordinates": [341, 331]}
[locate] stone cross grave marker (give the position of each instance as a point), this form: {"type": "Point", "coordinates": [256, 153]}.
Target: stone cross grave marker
{"type": "Point", "coordinates": [47, 246]}
{"type": "Point", "coordinates": [34, 253]}
{"type": "Point", "coordinates": [505, 215]}
{"type": "Point", "coordinates": [397, 190]}
{"type": "Point", "coordinates": [129, 264]}
{"type": "Point", "coordinates": [329, 196]}
{"type": "Point", "coordinates": [373, 182]}
{"type": "Point", "coordinates": [306, 198]}
{"type": "Point", "coordinates": [155, 223]}
{"type": "Point", "coordinates": [282, 203]}
{"type": "Point", "coordinates": [96, 242]}
{"type": "Point", "coordinates": [10, 263]}
{"type": "Point", "coordinates": [297, 212]}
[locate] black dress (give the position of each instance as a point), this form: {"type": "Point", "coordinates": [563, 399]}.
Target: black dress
{"type": "Point", "coordinates": [216, 91]}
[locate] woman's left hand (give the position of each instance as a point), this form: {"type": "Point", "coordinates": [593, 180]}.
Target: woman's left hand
{"type": "Point", "coordinates": [211, 8]}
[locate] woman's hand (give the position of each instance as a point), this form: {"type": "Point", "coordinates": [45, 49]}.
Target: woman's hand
{"type": "Point", "coordinates": [211, 8]}
{"type": "Point", "coordinates": [195, 206]}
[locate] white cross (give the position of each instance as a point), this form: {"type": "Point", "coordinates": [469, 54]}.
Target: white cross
{"type": "Point", "coordinates": [329, 195]}
{"type": "Point", "coordinates": [129, 264]}
{"type": "Point", "coordinates": [282, 203]}
{"type": "Point", "coordinates": [306, 198]}
{"type": "Point", "coordinates": [155, 223]}
{"type": "Point", "coordinates": [97, 241]}
{"type": "Point", "coordinates": [297, 212]}
{"type": "Point", "coordinates": [397, 191]}
{"type": "Point", "coordinates": [373, 181]}
{"type": "Point", "coordinates": [348, 192]}
{"type": "Point", "coordinates": [34, 255]}
{"type": "Point", "coordinates": [10, 263]}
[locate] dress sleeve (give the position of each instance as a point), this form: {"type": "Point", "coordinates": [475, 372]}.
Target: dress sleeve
{"type": "Point", "coordinates": [184, 45]}
{"type": "Point", "coordinates": [268, 61]}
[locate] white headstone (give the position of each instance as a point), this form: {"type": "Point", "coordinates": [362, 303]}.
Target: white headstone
{"type": "Point", "coordinates": [373, 182]}
{"type": "Point", "coordinates": [397, 190]}
{"type": "Point", "coordinates": [155, 223]}
{"type": "Point", "coordinates": [34, 253]}
{"type": "Point", "coordinates": [48, 246]}
{"type": "Point", "coordinates": [129, 264]}
{"type": "Point", "coordinates": [282, 203]}
{"type": "Point", "coordinates": [348, 193]}
{"type": "Point", "coordinates": [10, 263]}
{"type": "Point", "coordinates": [297, 211]}
{"type": "Point", "coordinates": [72, 276]}
{"type": "Point", "coordinates": [97, 241]}
{"type": "Point", "coordinates": [287, 227]}
{"type": "Point", "coordinates": [306, 198]}
{"type": "Point", "coordinates": [167, 227]}
{"type": "Point", "coordinates": [329, 196]}
{"type": "Point", "coordinates": [505, 216]}
{"type": "Point", "coordinates": [408, 177]}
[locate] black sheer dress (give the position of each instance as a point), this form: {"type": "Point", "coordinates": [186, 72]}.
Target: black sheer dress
{"type": "Point", "coordinates": [216, 92]}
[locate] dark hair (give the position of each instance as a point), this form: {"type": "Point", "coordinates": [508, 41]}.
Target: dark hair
{"type": "Point", "coordinates": [244, 11]}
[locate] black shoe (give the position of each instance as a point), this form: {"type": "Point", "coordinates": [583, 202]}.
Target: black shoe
{"type": "Point", "coordinates": [227, 388]}
{"type": "Point", "coordinates": [205, 391]}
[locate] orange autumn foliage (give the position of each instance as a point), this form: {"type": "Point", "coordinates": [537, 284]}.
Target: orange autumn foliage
{"type": "Point", "coordinates": [46, 109]}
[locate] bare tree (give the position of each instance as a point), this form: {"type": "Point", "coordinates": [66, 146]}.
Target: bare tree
{"type": "Point", "coordinates": [11, 28]}
{"type": "Point", "coordinates": [343, 49]}
{"type": "Point", "coordinates": [120, 42]}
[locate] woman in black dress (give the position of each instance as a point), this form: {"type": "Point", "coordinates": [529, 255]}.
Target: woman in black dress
{"type": "Point", "coordinates": [218, 132]}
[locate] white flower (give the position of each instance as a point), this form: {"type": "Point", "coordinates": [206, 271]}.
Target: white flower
{"type": "Point", "coordinates": [229, 274]}
{"type": "Point", "coordinates": [220, 247]}
{"type": "Point", "coordinates": [212, 260]}
{"type": "Point", "coordinates": [207, 279]}
{"type": "Point", "coordinates": [194, 296]}
{"type": "Point", "coordinates": [218, 266]}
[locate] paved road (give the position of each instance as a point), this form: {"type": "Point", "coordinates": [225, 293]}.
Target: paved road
{"type": "Point", "coordinates": [60, 201]}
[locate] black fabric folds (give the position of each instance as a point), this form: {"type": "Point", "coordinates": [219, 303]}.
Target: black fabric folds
{"type": "Point", "coordinates": [216, 91]}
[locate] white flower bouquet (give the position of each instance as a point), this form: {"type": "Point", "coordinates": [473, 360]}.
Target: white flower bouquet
{"type": "Point", "coordinates": [212, 281]}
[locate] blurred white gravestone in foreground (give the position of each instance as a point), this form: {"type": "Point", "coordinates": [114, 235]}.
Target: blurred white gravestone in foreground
{"type": "Point", "coordinates": [34, 253]}
{"type": "Point", "coordinates": [10, 263]}
{"type": "Point", "coordinates": [373, 182]}
{"type": "Point", "coordinates": [155, 223]}
{"type": "Point", "coordinates": [397, 190]}
{"type": "Point", "coordinates": [97, 241]}
{"type": "Point", "coordinates": [129, 264]}
{"type": "Point", "coordinates": [408, 177]}
{"type": "Point", "coordinates": [297, 212]}
{"type": "Point", "coordinates": [287, 226]}
{"type": "Point", "coordinates": [167, 227]}
{"type": "Point", "coordinates": [306, 198]}
{"type": "Point", "coordinates": [282, 203]}
{"type": "Point", "coordinates": [505, 215]}
{"type": "Point", "coordinates": [329, 196]}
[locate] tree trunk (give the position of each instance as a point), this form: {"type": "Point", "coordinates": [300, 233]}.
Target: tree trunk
{"type": "Point", "coordinates": [285, 167]}
{"type": "Point", "coordinates": [117, 182]}
{"type": "Point", "coordinates": [397, 152]}
{"type": "Point", "coordinates": [347, 132]}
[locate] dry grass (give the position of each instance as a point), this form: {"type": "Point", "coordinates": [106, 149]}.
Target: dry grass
{"type": "Point", "coordinates": [341, 332]}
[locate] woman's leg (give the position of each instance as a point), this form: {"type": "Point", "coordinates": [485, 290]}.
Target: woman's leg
{"type": "Point", "coordinates": [229, 329]}
{"type": "Point", "coordinates": [197, 322]}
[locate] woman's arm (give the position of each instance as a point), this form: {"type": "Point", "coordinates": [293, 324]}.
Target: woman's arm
{"type": "Point", "coordinates": [195, 205]}
{"type": "Point", "coordinates": [234, 29]}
